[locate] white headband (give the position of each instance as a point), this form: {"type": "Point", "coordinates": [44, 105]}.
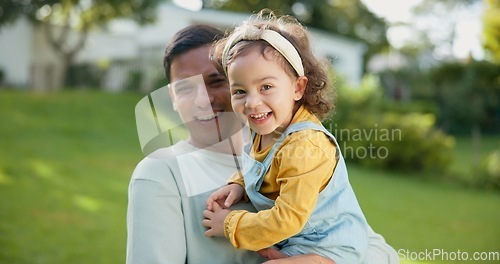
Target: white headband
{"type": "Point", "coordinates": [275, 39]}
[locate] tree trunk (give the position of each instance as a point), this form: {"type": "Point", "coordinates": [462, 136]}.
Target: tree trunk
{"type": "Point", "coordinates": [66, 51]}
{"type": "Point", "coordinates": [476, 144]}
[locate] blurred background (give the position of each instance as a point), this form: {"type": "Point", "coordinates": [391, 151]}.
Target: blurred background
{"type": "Point", "coordinates": [417, 116]}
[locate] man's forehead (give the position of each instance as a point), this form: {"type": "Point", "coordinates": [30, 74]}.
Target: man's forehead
{"type": "Point", "coordinates": [205, 76]}
{"type": "Point", "coordinates": [191, 63]}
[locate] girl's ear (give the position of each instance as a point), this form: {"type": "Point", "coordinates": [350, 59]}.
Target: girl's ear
{"type": "Point", "coordinates": [300, 87]}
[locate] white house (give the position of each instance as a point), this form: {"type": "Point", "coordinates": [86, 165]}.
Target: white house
{"type": "Point", "coordinates": [26, 57]}
{"type": "Point", "coordinates": [126, 47]}
{"type": "Point", "coordinates": [16, 52]}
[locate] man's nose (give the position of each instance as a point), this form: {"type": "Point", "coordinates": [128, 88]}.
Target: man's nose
{"type": "Point", "coordinates": [203, 99]}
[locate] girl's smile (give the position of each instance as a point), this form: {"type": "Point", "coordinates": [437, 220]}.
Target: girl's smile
{"type": "Point", "coordinates": [262, 92]}
{"type": "Point", "coordinates": [260, 118]}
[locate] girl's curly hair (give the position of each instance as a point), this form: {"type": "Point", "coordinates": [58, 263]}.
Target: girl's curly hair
{"type": "Point", "coordinates": [318, 97]}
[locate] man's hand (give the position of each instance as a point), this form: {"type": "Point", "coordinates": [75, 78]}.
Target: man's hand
{"type": "Point", "coordinates": [226, 196]}
{"type": "Point", "coordinates": [276, 257]}
{"type": "Point", "coordinates": [214, 220]}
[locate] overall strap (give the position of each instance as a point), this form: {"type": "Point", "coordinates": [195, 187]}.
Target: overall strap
{"type": "Point", "coordinates": [295, 127]}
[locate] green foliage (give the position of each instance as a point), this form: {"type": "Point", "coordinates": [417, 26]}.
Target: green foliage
{"type": "Point", "coordinates": [488, 171]}
{"type": "Point", "coordinates": [461, 95]}
{"type": "Point", "coordinates": [491, 29]}
{"type": "Point", "coordinates": [89, 13]}
{"type": "Point", "coordinates": [432, 15]}
{"type": "Point", "coordinates": [467, 95]}
{"type": "Point", "coordinates": [371, 133]}
{"type": "Point", "coordinates": [84, 76]}
{"type": "Point", "coordinates": [10, 10]}
{"type": "Point", "coordinates": [349, 18]}
{"type": "Point", "coordinates": [2, 76]}
{"type": "Point", "coordinates": [134, 79]}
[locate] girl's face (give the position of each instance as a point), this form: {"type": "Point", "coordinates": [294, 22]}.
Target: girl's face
{"type": "Point", "coordinates": [262, 93]}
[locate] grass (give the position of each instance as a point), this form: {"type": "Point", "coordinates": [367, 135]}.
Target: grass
{"type": "Point", "coordinates": [417, 215]}
{"type": "Point", "coordinates": [468, 157]}
{"type": "Point", "coordinates": [66, 160]}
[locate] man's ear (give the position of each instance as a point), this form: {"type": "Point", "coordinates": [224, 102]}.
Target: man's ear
{"type": "Point", "coordinates": [300, 87]}
{"type": "Point", "coordinates": [172, 97]}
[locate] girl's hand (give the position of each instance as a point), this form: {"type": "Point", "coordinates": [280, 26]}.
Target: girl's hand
{"type": "Point", "coordinates": [226, 196]}
{"type": "Point", "coordinates": [214, 220]}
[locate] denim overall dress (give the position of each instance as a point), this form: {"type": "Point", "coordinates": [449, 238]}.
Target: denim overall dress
{"type": "Point", "coordinates": [337, 228]}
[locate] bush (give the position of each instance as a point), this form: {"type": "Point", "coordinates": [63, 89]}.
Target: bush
{"type": "Point", "coordinates": [467, 95]}
{"type": "Point", "coordinates": [488, 171]}
{"type": "Point", "coordinates": [370, 134]}
{"type": "Point", "coordinates": [84, 76]}
{"type": "Point", "coordinates": [2, 76]}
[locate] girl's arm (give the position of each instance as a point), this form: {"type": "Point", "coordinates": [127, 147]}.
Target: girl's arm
{"type": "Point", "coordinates": [302, 169]}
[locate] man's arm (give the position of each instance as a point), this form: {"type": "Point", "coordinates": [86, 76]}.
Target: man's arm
{"type": "Point", "coordinates": [276, 257]}
{"type": "Point", "coordinates": [155, 223]}
{"type": "Point", "coordinates": [299, 259]}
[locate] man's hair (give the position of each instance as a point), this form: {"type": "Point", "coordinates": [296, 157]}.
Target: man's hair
{"type": "Point", "coordinates": [189, 38]}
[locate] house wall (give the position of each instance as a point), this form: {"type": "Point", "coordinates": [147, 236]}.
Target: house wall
{"type": "Point", "coordinates": [345, 55]}
{"type": "Point", "coordinates": [16, 53]}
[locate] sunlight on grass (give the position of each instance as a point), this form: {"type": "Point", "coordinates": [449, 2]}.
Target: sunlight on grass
{"type": "Point", "coordinates": [43, 170]}
{"type": "Point", "coordinates": [87, 203]}
{"type": "Point", "coordinates": [4, 178]}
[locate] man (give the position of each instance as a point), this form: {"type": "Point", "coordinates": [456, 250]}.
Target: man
{"type": "Point", "coordinates": [169, 187]}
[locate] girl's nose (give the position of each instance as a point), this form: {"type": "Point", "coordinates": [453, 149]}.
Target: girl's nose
{"type": "Point", "coordinates": [252, 101]}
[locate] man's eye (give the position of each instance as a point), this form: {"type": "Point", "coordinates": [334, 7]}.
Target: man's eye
{"type": "Point", "coordinates": [218, 83]}
{"type": "Point", "coordinates": [184, 89]}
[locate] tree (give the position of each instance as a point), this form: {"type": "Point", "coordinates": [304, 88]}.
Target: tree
{"type": "Point", "coordinates": [491, 29]}
{"type": "Point", "coordinates": [434, 27]}
{"type": "Point", "coordinates": [349, 18]}
{"type": "Point", "coordinates": [60, 19]}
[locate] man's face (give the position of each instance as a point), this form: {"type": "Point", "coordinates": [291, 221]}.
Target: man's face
{"type": "Point", "coordinates": [201, 97]}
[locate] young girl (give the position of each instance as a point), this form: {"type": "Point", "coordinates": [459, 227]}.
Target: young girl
{"type": "Point", "coordinates": [293, 171]}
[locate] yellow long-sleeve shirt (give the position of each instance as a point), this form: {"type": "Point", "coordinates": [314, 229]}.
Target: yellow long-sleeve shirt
{"type": "Point", "coordinates": [300, 170]}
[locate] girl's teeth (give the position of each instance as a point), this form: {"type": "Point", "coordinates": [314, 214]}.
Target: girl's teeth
{"type": "Point", "coordinates": [259, 116]}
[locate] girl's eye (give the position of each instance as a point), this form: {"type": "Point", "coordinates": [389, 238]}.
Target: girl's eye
{"type": "Point", "coordinates": [238, 92]}
{"type": "Point", "coordinates": [266, 87]}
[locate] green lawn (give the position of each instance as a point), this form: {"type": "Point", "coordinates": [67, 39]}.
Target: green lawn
{"type": "Point", "coordinates": [66, 160]}
{"type": "Point", "coordinates": [466, 156]}
{"type": "Point", "coordinates": [65, 163]}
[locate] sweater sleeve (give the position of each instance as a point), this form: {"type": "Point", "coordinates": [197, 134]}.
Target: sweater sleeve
{"type": "Point", "coordinates": [237, 178]}
{"type": "Point", "coordinates": [304, 168]}
{"type": "Point", "coordinates": [155, 224]}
